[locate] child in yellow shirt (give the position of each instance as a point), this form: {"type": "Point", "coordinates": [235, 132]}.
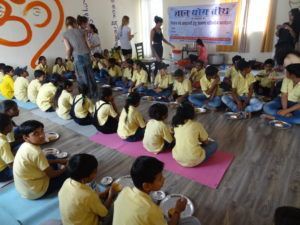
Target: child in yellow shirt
{"type": "Point", "coordinates": [59, 67]}
{"type": "Point", "coordinates": [182, 87]}
{"type": "Point", "coordinates": [231, 73]}
{"type": "Point", "coordinates": [192, 145]}
{"type": "Point", "coordinates": [63, 99]}
{"type": "Point", "coordinates": [126, 81]}
{"type": "Point", "coordinates": [6, 155]}
{"type": "Point", "coordinates": [134, 206]}
{"type": "Point", "coordinates": [35, 85]}
{"type": "Point", "coordinates": [7, 84]}
{"type": "Point", "coordinates": [78, 203]}
{"type": "Point", "coordinates": [35, 174]}
{"type": "Point", "coordinates": [21, 84]}
{"type": "Point", "coordinates": [131, 125]}
{"type": "Point", "coordinates": [139, 78]}
{"type": "Point", "coordinates": [70, 69]}
{"type": "Point", "coordinates": [157, 136]}
{"type": "Point", "coordinates": [114, 72]}
{"type": "Point", "coordinates": [100, 68]}
{"type": "Point", "coordinates": [2, 66]}
{"type": "Point", "coordinates": [42, 64]}
{"type": "Point", "coordinates": [197, 73]}
{"type": "Point", "coordinates": [106, 113]}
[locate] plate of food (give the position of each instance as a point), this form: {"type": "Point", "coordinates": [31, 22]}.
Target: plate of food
{"type": "Point", "coordinates": [125, 181]}
{"type": "Point", "coordinates": [280, 124]}
{"type": "Point", "coordinates": [62, 155]}
{"type": "Point", "coordinates": [51, 151]}
{"type": "Point", "coordinates": [105, 181]}
{"type": "Point", "coordinates": [233, 116]}
{"type": "Point", "coordinates": [200, 110]}
{"type": "Point", "coordinates": [51, 136]}
{"type": "Point", "coordinates": [169, 202]}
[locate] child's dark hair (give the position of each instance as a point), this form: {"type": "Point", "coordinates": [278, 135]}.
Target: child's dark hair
{"type": "Point", "coordinates": [30, 126]}
{"type": "Point", "coordinates": [2, 66]}
{"type": "Point", "coordinates": [106, 92]}
{"type": "Point", "coordinates": [82, 20]}
{"type": "Point", "coordinates": [62, 86]}
{"type": "Point", "coordinates": [83, 90]}
{"type": "Point", "coordinates": [133, 99]}
{"type": "Point", "coordinates": [158, 111]}
{"type": "Point", "coordinates": [184, 112]}
{"type": "Point", "coordinates": [158, 19]}
{"type": "Point", "coordinates": [129, 61]}
{"type": "Point", "coordinates": [41, 58]}
{"type": "Point", "coordinates": [294, 69]}
{"type": "Point", "coordinates": [112, 61]}
{"type": "Point", "coordinates": [8, 69]}
{"type": "Point", "coordinates": [270, 62]}
{"type": "Point", "coordinates": [97, 55]}
{"type": "Point", "coordinates": [6, 105]}
{"type": "Point", "coordinates": [93, 27]}
{"type": "Point", "coordinates": [81, 166]}
{"type": "Point", "coordinates": [243, 64]}
{"type": "Point", "coordinates": [178, 73]}
{"type": "Point", "coordinates": [54, 78]}
{"type": "Point", "coordinates": [199, 42]}
{"type": "Point", "coordinates": [57, 59]}
{"type": "Point", "coordinates": [5, 121]}
{"type": "Point", "coordinates": [236, 58]}
{"type": "Point", "coordinates": [211, 71]}
{"type": "Point", "coordinates": [144, 170]}
{"type": "Point", "coordinates": [39, 73]}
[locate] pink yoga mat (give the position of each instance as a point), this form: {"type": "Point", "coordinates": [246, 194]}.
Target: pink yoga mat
{"type": "Point", "coordinates": [209, 173]}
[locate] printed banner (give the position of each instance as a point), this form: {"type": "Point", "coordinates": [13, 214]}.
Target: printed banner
{"type": "Point", "coordinates": [212, 23]}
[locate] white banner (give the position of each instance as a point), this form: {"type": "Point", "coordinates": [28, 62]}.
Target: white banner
{"type": "Point", "coordinates": [212, 23]}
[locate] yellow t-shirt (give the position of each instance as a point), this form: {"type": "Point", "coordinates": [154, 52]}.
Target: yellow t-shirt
{"type": "Point", "coordinates": [7, 87]}
{"type": "Point", "coordinates": [45, 96]}
{"type": "Point", "coordinates": [33, 90]}
{"type": "Point", "coordinates": [6, 156]}
{"type": "Point", "coordinates": [242, 84]}
{"type": "Point", "coordinates": [59, 69]}
{"type": "Point", "coordinates": [79, 204]}
{"type": "Point", "coordinates": [188, 151]}
{"type": "Point", "coordinates": [1, 76]}
{"type": "Point", "coordinates": [21, 86]}
{"type": "Point", "coordinates": [82, 110]}
{"type": "Point", "coordinates": [65, 102]}
{"type": "Point", "coordinates": [41, 67]}
{"type": "Point", "coordinates": [231, 73]}
{"type": "Point", "coordinates": [197, 75]}
{"type": "Point", "coordinates": [70, 66]}
{"type": "Point", "coordinates": [156, 133]}
{"type": "Point", "coordinates": [30, 179]}
{"type": "Point", "coordinates": [163, 82]}
{"type": "Point", "coordinates": [183, 87]}
{"type": "Point", "coordinates": [292, 90]}
{"type": "Point", "coordinates": [115, 71]}
{"type": "Point", "coordinates": [206, 85]}
{"type": "Point", "coordinates": [266, 80]}
{"type": "Point", "coordinates": [140, 77]}
{"type": "Point", "coordinates": [135, 207]}
{"type": "Point", "coordinates": [104, 112]}
{"type": "Point", "coordinates": [134, 120]}
{"type": "Point", "coordinates": [127, 73]}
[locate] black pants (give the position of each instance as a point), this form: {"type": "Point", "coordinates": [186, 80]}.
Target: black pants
{"type": "Point", "coordinates": [158, 48]}
{"type": "Point", "coordinates": [84, 121]}
{"type": "Point", "coordinates": [110, 127]}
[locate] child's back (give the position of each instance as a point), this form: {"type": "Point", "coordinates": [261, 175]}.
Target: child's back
{"type": "Point", "coordinates": [83, 106]}
{"type": "Point", "coordinates": [65, 102]}
{"type": "Point", "coordinates": [20, 89]}
{"type": "Point", "coordinates": [7, 87]}
{"type": "Point", "coordinates": [45, 96]}
{"type": "Point", "coordinates": [33, 90]}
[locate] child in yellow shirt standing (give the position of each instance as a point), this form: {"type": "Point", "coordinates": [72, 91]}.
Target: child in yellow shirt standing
{"type": "Point", "coordinates": [157, 136]}
{"type": "Point", "coordinates": [63, 99]}
{"type": "Point", "coordinates": [36, 176]}
{"type": "Point", "coordinates": [131, 125]}
{"type": "Point", "coordinates": [21, 84]}
{"type": "Point", "coordinates": [197, 73]}
{"type": "Point", "coordinates": [7, 84]}
{"type": "Point", "coordinates": [139, 78]}
{"type": "Point", "coordinates": [42, 65]}
{"type": "Point", "coordinates": [78, 203]}
{"type": "Point", "coordinates": [182, 87]}
{"type": "Point", "coordinates": [192, 145]}
{"type": "Point", "coordinates": [6, 155]}
{"type": "Point", "coordinates": [35, 85]}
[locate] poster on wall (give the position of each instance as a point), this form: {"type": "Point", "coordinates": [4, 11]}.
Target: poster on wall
{"type": "Point", "coordinates": [212, 23]}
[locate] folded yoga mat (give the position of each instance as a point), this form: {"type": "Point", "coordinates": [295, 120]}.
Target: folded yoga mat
{"type": "Point", "coordinates": [209, 173]}
{"type": "Point", "coordinates": [28, 212]}
{"type": "Point", "coordinates": [24, 105]}
{"type": "Point", "coordinates": [86, 131]}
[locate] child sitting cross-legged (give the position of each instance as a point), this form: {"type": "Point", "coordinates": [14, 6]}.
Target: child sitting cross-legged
{"type": "Point", "coordinates": [63, 99]}
{"type": "Point", "coordinates": [114, 72]}
{"type": "Point", "coordinates": [7, 84]}
{"type": "Point", "coordinates": [192, 145]}
{"type": "Point", "coordinates": [78, 203]}
{"type": "Point", "coordinates": [182, 87]}
{"type": "Point", "coordinates": [231, 73]}
{"type": "Point", "coordinates": [6, 155]}
{"type": "Point", "coordinates": [139, 78]}
{"type": "Point", "coordinates": [106, 113]}
{"type": "Point", "coordinates": [197, 73]}
{"type": "Point", "coordinates": [126, 82]}
{"type": "Point", "coordinates": [42, 64]}
{"type": "Point", "coordinates": [134, 206]}
{"type": "Point", "coordinates": [157, 136]}
{"type": "Point", "coordinates": [21, 84]}
{"type": "Point", "coordinates": [35, 85]}
{"type": "Point", "coordinates": [35, 174]}
{"type": "Point", "coordinates": [211, 96]}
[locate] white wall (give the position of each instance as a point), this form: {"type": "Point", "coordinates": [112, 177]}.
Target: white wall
{"type": "Point", "coordinates": [254, 40]}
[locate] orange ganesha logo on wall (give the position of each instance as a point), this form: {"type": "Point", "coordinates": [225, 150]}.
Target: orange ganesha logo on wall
{"type": "Point", "coordinates": [6, 16]}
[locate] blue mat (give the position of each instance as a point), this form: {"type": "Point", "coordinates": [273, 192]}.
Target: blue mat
{"type": "Point", "coordinates": [24, 105]}
{"type": "Point", "coordinates": [28, 212]}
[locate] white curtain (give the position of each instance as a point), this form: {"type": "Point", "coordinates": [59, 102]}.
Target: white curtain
{"type": "Point", "coordinates": [149, 9]}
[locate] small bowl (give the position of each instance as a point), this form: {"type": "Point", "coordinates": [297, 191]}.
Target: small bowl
{"type": "Point", "coordinates": [62, 155]}
{"type": "Point", "coordinates": [158, 195]}
{"type": "Point", "coordinates": [52, 151]}
{"type": "Point", "coordinates": [51, 136]}
{"type": "Point", "coordinates": [106, 181]}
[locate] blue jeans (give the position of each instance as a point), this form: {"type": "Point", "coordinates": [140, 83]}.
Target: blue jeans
{"type": "Point", "coordinates": [254, 105]}
{"type": "Point", "coordinates": [138, 136]}
{"type": "Point", "coordinates": [6, 174]}
{"type": "Point", "coordinates": [210, 149]}
{"type": "Point", "coordinates": [69, 75]}
{"type": "Point", "coordinates": [142, 90]}
{"type": "Point", "coordinates": [164, 93]}
{"type": "Point", "coordinates": [199, 99]}
{"type": "Point", "coordinates": [271, 108]}
{"type": "Point", "coordinates": [125, 85]}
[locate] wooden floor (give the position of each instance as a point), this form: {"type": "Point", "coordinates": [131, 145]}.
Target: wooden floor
{"type": "Point", "coordinates": [265, 173]}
